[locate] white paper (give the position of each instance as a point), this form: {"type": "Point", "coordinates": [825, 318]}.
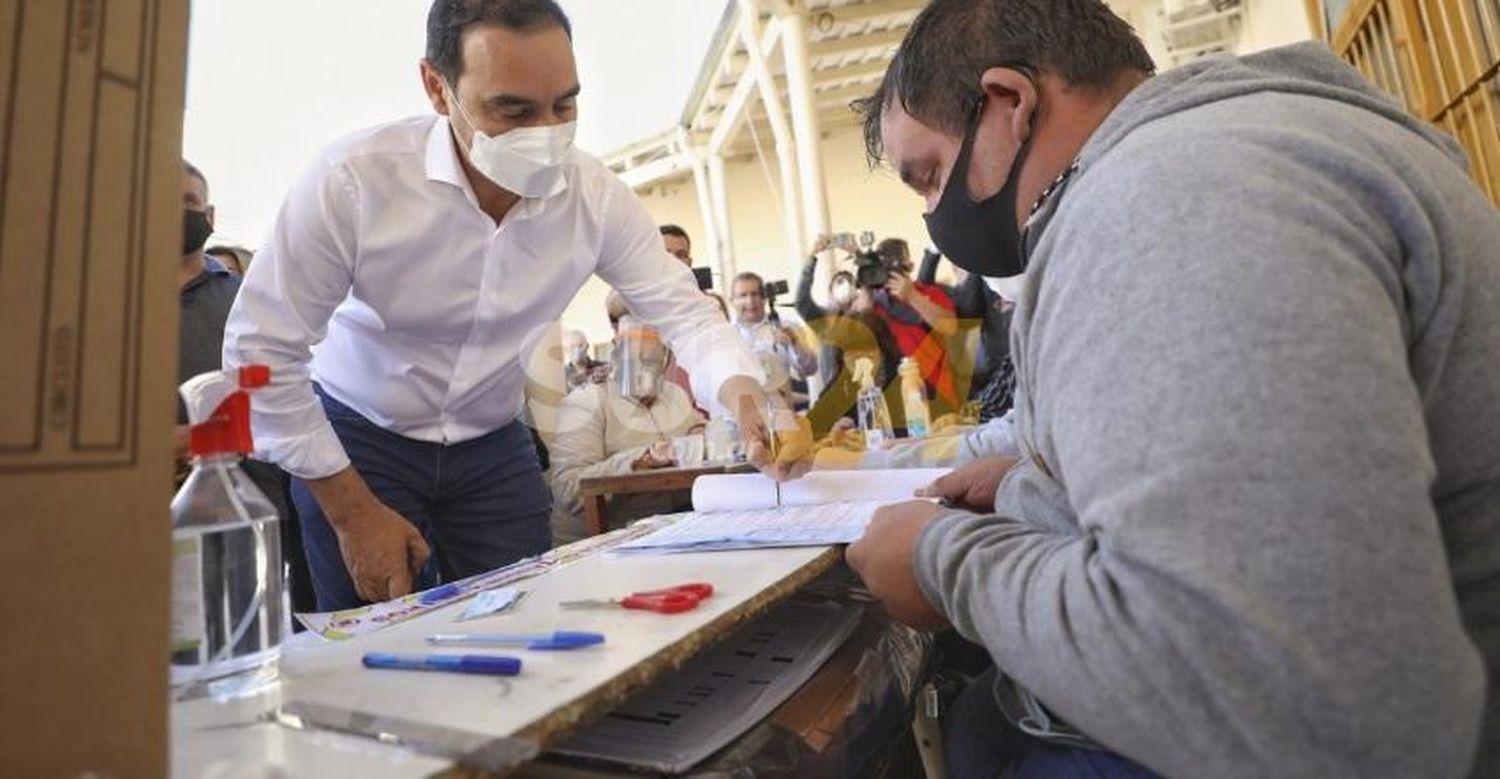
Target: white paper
{"type": "Point", "coordinates": [490, 602]}
{"type": "Point", "coordinates": [738, 491]}
{"type": "Point", "coordinates": [836, 523]}
{"type": "Point", "coordinates": [738, 511]}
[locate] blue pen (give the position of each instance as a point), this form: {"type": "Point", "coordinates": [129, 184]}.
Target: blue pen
{"type": "Point", "coordinates": [561, 639]}
{"type": "Point", "coordinates": [440, 594]}
{"type": "Point", "coordinates": [491, 665]}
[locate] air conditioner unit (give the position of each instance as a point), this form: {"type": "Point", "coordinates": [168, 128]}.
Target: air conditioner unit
{"type": "Point", "coordinates": [1195, 28]}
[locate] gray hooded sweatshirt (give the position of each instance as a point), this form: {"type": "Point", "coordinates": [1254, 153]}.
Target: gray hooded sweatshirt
{"type": "Point", "coordinates": [1256, 527]}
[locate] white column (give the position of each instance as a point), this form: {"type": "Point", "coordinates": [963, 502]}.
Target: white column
{"type": "Point", "coordinates": [719, 194]}
{"type": "Point", "coordinates": [786, 155]}
{"type": "Point", "coordinates": [804, 122]}
{"type": "Point", "coordinates": [706, 211]}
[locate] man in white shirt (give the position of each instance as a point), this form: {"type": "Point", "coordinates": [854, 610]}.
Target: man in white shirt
{"type": "Point", "coordinates": [409, 270]}
{"type": "Point", "coordinates": [624, 425]}
{"type": "Point", "coordinates": [781, 354]}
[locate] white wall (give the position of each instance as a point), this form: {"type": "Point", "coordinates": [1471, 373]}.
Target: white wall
{"type": "Point", "coordinates": [1274, 23]}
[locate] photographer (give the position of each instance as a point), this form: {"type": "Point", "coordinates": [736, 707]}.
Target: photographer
{"type": "Point", "coordinates": [781, 353]}
{"type": "Point", "coordinates": [848, 331]}
{"type": "Point", "coordinates": [978, 302]}
{"type": "Point", "coordinates": [920, 318]}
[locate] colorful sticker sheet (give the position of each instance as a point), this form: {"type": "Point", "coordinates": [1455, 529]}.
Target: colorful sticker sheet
{"type": "Point", "coordinates": [346, 624]}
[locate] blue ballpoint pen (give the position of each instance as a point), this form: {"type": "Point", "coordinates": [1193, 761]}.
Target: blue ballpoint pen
{"type": "Point", "coordinates": [492, 665]}
{"type": "Point", "coordinates": [440, 594]}
{"type": "Point", "coordinates": [561, 639]}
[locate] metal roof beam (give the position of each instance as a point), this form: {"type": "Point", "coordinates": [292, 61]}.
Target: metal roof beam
{"type": "Point", "coordinates": [859, 12]}
{"type": "Point", "coordinates": [881, 40]}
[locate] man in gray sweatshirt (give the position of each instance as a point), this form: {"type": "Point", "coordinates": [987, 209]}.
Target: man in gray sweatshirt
{"type": "Point", "coordinates": [1255, 526]}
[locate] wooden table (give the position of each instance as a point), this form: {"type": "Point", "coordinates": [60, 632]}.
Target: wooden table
{"type": "Point", "coordinates": [556, 693]}
{"type": "Point", "coordinates": [596, 489]}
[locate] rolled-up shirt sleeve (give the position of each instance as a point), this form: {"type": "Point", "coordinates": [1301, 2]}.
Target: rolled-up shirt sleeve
{"type": "Point", "coordinates": [662, 290]}
{"type": "Point", "coordinates": [303, 272]}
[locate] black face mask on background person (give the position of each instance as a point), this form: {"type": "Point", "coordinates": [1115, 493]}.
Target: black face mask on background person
{"type": "Point", "coordinates": [979, 237]}
{"type": "Point", "coordinates": [195, 230]}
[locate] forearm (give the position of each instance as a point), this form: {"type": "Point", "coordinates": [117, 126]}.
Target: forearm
{"type": "Point", "coordinates": [341, 495]}
{"type": "Point", "coordinates": [941, 320]}
{"type": "Point", "coordinates": [1131, 658]}
{"type": "Point", "coordinates": [805, 306]}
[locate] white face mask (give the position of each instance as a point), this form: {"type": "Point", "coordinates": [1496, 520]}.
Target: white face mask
{"type": "Point", "coordinates": [1009, 287]}
{"type": "Point", "coordinates": [647, 383]}
{"type": "Point", "coordinates": [843, 294]}
{"type": "Point", "coordinates": [525, 160]}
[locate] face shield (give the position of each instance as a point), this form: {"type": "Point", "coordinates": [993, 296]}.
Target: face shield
{"type": "Point", "coordinates": [639, 361]}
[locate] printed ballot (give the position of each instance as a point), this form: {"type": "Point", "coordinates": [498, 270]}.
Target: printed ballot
{"type": "Point", "coordinates": [741, 511]}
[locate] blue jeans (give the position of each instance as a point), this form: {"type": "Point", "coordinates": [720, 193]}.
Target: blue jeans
{"type": "Point", "coordinates": [979, 741]}
{"type": "Point", "coordinates": [480, 504]}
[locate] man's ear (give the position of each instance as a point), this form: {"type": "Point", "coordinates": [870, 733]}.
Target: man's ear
{"type": "Point", "coordinates": [1014, 92]}
{"type": "Point", "coordinates": [209, 214]}
{"type": "Point", "coordinates": [432, 84]}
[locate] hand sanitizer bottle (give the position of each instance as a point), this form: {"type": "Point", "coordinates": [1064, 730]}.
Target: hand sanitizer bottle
{"type": "Point", "coordinates": [227, 580]}
{"type": "Point", "coordinates": [914, 398]}
{"type": "Point", "coordinates": [874, 417]}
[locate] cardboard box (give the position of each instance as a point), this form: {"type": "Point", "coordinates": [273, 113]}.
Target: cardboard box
{"type": "Point", "coordinates": [91, 96]}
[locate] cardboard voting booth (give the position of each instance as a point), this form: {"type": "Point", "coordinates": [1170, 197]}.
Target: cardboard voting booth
{"type": "Point", "coordinates": [91, 98]}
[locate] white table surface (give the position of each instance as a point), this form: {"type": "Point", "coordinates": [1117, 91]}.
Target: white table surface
{"type": "Point", "coordinates": [205, 742]}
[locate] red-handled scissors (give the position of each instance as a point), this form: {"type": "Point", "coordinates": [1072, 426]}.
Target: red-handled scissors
{"type": "Point", "coordinates": [672, 600]}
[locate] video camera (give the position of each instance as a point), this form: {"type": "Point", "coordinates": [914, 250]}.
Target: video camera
{"type": "Point", "coordinates": [872, 270]}
{"type": "Point", "coordinates": [771, 290]}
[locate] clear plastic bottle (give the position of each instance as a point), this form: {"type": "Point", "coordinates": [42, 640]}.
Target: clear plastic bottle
{"type": "Point", "coordinates": [874, 416]}
{"type": "Point", "coordinates": [914, 399]}
{"type": "Point", "coordinates": [228, 605]}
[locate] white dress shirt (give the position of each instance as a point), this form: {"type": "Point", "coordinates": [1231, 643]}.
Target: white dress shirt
{"type": "Point", "coordinates": [383, 281]}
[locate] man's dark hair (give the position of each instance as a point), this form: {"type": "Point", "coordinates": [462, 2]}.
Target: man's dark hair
{"type": "Point", "coordinates": [192, 170]}
{"type": "Point", "coordinates": [677, 231]}
{"type": "Point", "coordinates": [894, 250]}
{"type": "Point", "coordinates": [935, 74]}
{"type": "Point", "coordinates": [448, 20]}
{"type": "Point", "coordinates": [760, 283]}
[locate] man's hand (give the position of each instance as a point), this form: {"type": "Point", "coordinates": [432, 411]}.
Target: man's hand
{"type": "Point", "coordinates": [883, 558]}
{"type": "Point", "coordinates": [899, 286]}
{"type": "Point", "coordinates": [792, 457]}
{"type": "Point", "coordinates": [381, 550]}
{"type": "Point", "coordinates": [838, 434]}
{"type": "Point", "coordinates": [822, 243]}
{"type": "Point", "coordinates": [655, 456]}
{"type": "Point", "coordinates": [972, 486]}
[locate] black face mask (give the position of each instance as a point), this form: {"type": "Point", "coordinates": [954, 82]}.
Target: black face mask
{"type": "Point", "coordinates": [195, 230]}
{"type": "Point", "coordinates": [979, 237]}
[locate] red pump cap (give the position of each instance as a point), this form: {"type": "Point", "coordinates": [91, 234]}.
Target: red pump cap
{"type": "Point", "coordinates": [227, 430]}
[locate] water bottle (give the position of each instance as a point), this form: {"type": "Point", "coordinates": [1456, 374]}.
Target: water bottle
{"type": "Point", "coordinates": [914, 398]}
{"type": "Point", "coordinates": [874, 416]}
{"type": "Point", "coordinates": [228, 607]}
{"type": "Point", "coordinates": [719, 441]}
